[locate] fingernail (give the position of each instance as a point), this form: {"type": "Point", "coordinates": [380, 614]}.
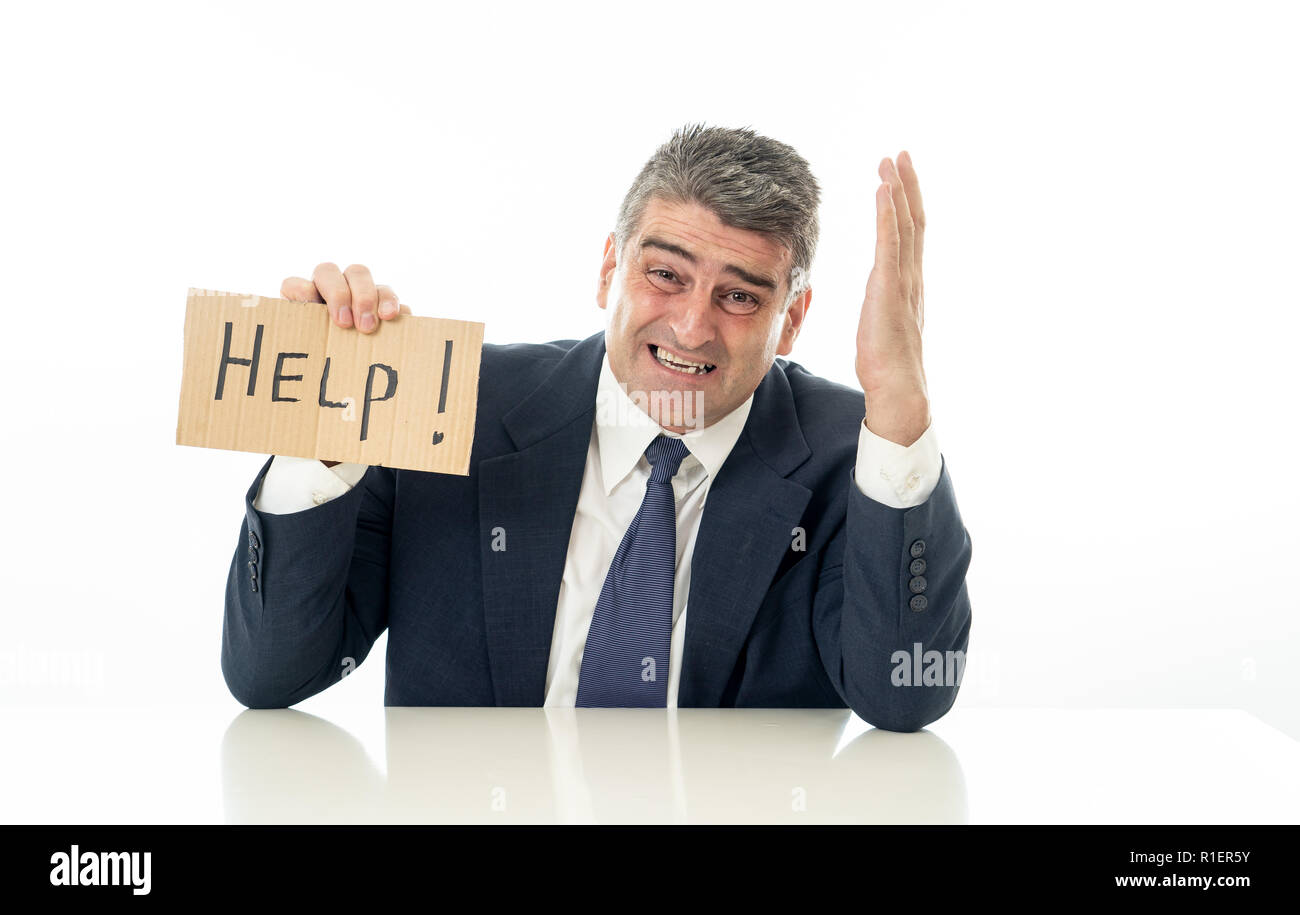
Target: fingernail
{"type": "Point", "coordinates": [345, 316]}
{"type": "Point", "coordinates": [367, 321]}
{"type": "Point", "coordinates": [387, 309]}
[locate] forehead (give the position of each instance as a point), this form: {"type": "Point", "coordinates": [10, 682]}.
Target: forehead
{"type": "Point", "coordinates": [700, 231]}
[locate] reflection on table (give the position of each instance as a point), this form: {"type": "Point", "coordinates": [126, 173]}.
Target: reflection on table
{"type": "Point", "coordinates": [512, 765]}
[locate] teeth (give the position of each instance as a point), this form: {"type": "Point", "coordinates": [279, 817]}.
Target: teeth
{"type": "Point", "coordinates": [678, 363]}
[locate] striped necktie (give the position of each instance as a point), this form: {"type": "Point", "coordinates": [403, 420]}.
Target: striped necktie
{"type": "Point", "coordinates": [625, 660]}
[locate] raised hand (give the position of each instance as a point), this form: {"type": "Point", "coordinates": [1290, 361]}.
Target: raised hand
{"type": "Point", "coordinates": [893, 312]}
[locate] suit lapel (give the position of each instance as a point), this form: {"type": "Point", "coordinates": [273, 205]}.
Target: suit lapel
{"type": "Point", "coordinates": [745, 532]}
{"type": "Point", "coordinates": [527, 501]}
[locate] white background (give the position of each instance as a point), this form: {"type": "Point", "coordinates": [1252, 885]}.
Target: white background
{"type": "Point", "coordinates": [1111, 192]}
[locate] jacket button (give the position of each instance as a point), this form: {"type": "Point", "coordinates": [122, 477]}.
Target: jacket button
{"type": "Point", "coordinates": [918, 549]}
{"type": "Point", "coordinates": [917, 567]}
{"type": "Point", "coordinates": [252, 541]}
{"type": "Point", "coordinates": [917, 603]}
{"type": "Point", "coordinates": [917, 584]}
{"type": "Point", "coordinates": [254, 586]}
{"type": "Point", "coordinates": [252, 554]}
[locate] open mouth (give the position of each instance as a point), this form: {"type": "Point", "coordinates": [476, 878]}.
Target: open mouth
{"type": "Point", "coordinates": [679, 363]}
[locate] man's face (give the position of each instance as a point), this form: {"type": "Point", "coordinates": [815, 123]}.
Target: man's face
{"type": "Point", "coordinates": [689, 289]}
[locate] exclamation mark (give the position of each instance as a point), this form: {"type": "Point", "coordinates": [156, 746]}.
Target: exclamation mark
{"type": "Point", "coordinates": [442, 396]}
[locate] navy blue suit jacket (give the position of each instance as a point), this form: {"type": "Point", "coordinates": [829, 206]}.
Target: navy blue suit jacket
{"type": "Point", "coordinates": [770, 625]}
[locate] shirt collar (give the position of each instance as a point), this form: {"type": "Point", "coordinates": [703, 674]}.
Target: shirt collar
{"type": "Point", "coordinates": [624, 431]}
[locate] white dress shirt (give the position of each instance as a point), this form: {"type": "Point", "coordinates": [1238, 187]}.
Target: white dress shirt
{"type": "Point", "coordinates": [613, 487]}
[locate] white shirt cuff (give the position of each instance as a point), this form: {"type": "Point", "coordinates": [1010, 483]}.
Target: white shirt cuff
{"type": "Point", "coordinates": [900, 476]}
{"type": "Point", "coordinates": [294, 484]}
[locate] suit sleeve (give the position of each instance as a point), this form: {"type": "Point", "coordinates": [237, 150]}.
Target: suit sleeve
{"type": "Point", "coordinates": [893, 622]}
{"type": "Point", "coordinates": [307, 593]}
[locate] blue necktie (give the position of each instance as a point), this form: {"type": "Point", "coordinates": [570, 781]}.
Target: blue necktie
{"type": "Point", "coordinates": [625, 661]}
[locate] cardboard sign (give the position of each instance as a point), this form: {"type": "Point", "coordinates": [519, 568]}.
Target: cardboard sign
{"type": "Point", "coordinates": [277, 377]}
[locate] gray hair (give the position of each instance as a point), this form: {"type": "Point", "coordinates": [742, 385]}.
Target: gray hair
{"type": "Point", "coordinates": [750, 181]}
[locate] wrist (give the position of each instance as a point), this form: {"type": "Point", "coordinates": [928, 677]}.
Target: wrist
{"type": "Point", "coordinates": [901, 418]}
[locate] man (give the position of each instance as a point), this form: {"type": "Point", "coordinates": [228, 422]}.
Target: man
{"type": "Point", "coordinates": [664, 514]}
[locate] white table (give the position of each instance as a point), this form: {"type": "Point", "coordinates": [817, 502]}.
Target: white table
{"type": "Point", "coordinates": [498, 765]}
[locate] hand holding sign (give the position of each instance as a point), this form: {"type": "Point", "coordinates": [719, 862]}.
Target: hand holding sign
{"type": "Point", "coordinates": [351, 295]}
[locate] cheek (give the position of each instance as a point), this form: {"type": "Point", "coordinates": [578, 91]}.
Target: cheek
{"type": "Point", "coordinates": [753, 355]}
{"type": "Point", "coordinates": [760, 344]}
{"type": "Point", "coordinates": [776, 333]}
{"type": "Point", "coordinates": [638, 305]}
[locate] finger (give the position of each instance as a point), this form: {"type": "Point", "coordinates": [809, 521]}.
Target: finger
{"type": "Point", "coordinates": [296, 289]}
{"type": "Point", "coordinates": [886, 234]}
{"type": "Point", "coordinates": [334, 290]}
{"type": "Point", "coordinates": [365, 297]}
{"type": "Point", "coordinates": [913, 187]}
{"type": "Point", "coordinates": [906, 233]}
{"type": "Point", "coordinates": [387, 302]}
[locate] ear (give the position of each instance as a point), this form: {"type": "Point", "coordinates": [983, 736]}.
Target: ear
{"type": "Point", "coordinates": [794, 316]}
{"type": "Point", "coordinates": [606, 271]}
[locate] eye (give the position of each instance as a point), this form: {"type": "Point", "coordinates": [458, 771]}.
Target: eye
{"type": "Point", "coordinates": [666, 274]}
{"type": "Point", "coordinates": [742, 305]}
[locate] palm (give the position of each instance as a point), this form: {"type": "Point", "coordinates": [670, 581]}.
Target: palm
{"type": "Point", "coordinates": [893, 310]}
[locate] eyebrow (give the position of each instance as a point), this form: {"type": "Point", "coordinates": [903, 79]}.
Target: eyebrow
{"type": "Point", "coordinates": [761, 282]}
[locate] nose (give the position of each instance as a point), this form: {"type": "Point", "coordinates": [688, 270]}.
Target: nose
{"type": "Point", "coordinates": [692, 320]}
